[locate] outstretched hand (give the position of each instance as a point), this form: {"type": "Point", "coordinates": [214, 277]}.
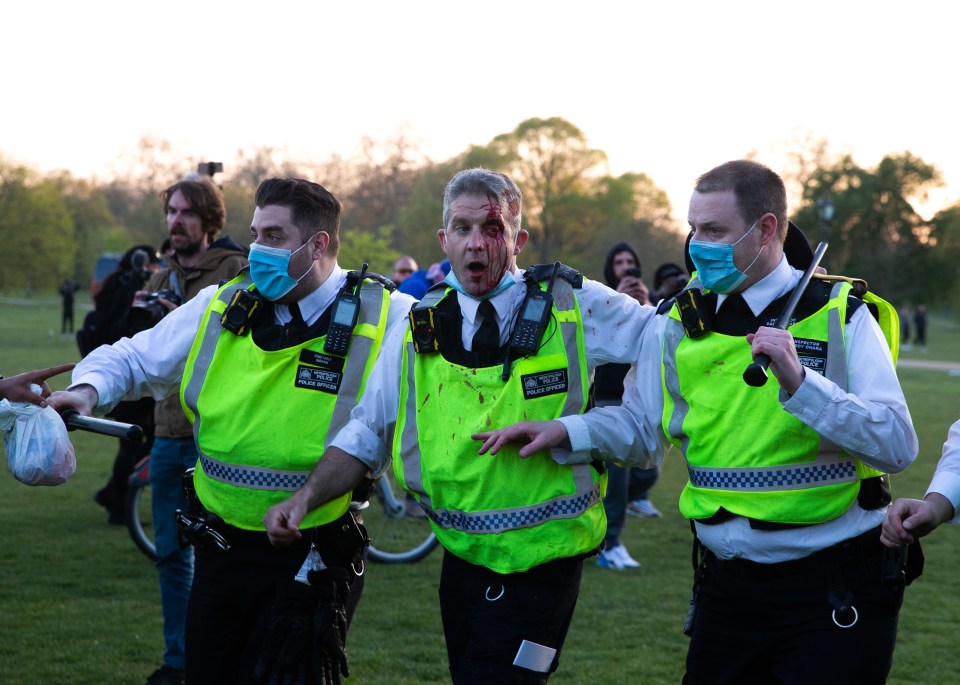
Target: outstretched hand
{"type": "Point", "coordinates": [17, 388]}
{"type": "Point", "coordinates": [539, 435]}
{"type": "Point", "coordinates": [909, 519]}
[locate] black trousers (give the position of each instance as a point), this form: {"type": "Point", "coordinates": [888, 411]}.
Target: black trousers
{"type": "Point", "coordinates": [774, 623]}
{"type": "Point", "coordinates": [487, 615]}
{"type": "Point", "coordinates": [231, 600]}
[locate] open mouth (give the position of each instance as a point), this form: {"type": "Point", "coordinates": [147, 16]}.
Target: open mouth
{"type": "Point", "coordinates": [476, 268]}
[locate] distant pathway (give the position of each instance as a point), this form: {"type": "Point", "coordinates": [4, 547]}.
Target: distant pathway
{"type": "Point", "coordinates": [931, 364]}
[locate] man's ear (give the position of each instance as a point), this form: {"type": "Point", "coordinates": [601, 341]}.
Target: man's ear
{"type": "Point", "coordinates": [442, 236]}
{"type": "Point", "coordinates": [321, 241]}
{"type": "Point", "coordinates": [768, 228]}
{"type": "Point", "coordinates": [521, 240]}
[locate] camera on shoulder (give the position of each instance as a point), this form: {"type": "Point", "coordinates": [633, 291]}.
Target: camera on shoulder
{"type": "Point", "coordinates": [147, 312]}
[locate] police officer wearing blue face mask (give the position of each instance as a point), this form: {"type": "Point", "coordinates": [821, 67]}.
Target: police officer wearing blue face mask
{"type": "Point", "coordinates": [787, 482]}
{"type": "Point", "coordinates": [268, 367]}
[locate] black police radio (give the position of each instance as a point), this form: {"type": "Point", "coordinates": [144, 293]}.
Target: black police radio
{"type": "Point", "coordinates": [346, 312]}
{"type": "Point", "coordinates": [535, 313]}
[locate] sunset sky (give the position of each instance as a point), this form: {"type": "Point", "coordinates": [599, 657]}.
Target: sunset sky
{"type": "Point", "coordinates": [668, 89]}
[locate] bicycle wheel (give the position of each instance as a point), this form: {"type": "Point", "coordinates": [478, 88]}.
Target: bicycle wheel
{"type": "Point", "coordinates": [396, 537]}
{"type": "Point", "coordinates": [139, 511]}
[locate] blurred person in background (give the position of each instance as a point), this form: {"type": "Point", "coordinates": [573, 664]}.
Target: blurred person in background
{"type": "Point", "coordinates": [403, 268]}
{"type": "Point", "coordinates": [107, 323]}
{"type": "Point", "coordinates": [622, 271]}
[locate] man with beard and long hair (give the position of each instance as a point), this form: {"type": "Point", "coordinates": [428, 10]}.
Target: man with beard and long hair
{"type": "Point", "coordinates": [195, 214]}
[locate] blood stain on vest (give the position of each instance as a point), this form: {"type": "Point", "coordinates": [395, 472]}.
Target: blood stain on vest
{"type": "Point", "coordinates": [424, 403]}
{"type": "Point", "coordinates": [480, 397]}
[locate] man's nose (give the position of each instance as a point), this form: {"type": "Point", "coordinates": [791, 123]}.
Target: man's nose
{"type": "Point", "coordinates": [475, 240]}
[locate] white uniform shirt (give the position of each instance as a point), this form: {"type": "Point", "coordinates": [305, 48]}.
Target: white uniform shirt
{"type": "Point", "coordinates": [870, 421]}
{"type": "Point", "coordinates": [612, 323]}
{"type": "Point", "coordinates": [151, 363]}
{"type": "Point", "coordinates": [946, 479]}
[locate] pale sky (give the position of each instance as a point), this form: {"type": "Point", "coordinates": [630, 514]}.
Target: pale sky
{"type": "Point", "coordinates": [670, 89]}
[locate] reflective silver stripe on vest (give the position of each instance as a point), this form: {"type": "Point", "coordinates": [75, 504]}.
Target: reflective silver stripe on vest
{"type": "Point", "coordinates": [498, 521]}
{"type": "Point", "coordinates": [208, 345]}
{"type": "Point", "coordinates": [759, 479]}
{"type": "Point", "coordinates": [831, 465]}
{"type": "Point", "coordinates": [252, 477]}
{"type": "Point", "coordinates": [565, 301]}
{"type": "Point", "coordinates": [586, 493]}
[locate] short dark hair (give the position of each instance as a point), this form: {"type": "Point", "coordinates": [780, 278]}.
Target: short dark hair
{"type": "Point", "coordinates": [313, 208]}
{"type": "Point", "coordinates": [488, 184]}
{"type": "Point", "coordinates": [758, 190]}
{"type": "Point", "coordinates": [205, 199]}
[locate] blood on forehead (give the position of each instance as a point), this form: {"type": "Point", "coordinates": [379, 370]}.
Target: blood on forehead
{"type": "Point", "coordinates": [495, 210]}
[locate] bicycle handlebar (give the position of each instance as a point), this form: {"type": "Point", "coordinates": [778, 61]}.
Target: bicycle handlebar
{"type": "Point", "coordinates": [125, 431]}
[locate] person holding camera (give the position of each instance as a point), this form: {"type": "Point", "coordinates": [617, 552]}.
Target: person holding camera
{"type": "Point", "coordinates": [267, 366]}
{"type": "Point", "coordinates": [195, 214]}
{"type": "Point", "coordinates": [628, 486]}
{"type": "Point", "coordinates": [489, 343]}
{"type": "Point", "coordinates": [108, 322]}
{"type": "Point", "coordinates": [788, 483]}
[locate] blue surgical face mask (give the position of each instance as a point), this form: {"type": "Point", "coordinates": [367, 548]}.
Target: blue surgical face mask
{"type": "Point", "coordinates": [505, 282]}
{"type": "Point", "coordinates": [715, 266]}
{"type": "Point", "coordinates": [269, 269]}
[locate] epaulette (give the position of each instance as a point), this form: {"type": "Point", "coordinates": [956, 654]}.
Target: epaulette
{"type": "Point", "coordinates": [543, 272]}
{"type": "Point", "coordinates": [858, 285]}
{"type": "Point", "coordinates": [665, 305]}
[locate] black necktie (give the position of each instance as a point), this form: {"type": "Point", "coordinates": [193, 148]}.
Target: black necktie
{"type": "Point", "coordinates": [487, 337]}
{"type": "Point", "coordinates": [735, 317]}
{"type": "Point", "coordinates": [296, 317]}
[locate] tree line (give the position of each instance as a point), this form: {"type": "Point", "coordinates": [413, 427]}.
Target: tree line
{"type": "Point", "coordinates": [55, 225]}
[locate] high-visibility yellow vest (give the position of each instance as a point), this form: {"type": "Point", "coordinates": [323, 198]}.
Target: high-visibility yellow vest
{"type": "Point", "coordinates": [502, 512]}
{"type": "Point", "coordinates": [744, 452]}
{"type": "Point", "coordinates": [262, 419]}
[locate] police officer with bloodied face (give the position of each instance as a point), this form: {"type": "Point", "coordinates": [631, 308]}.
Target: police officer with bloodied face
{"type": "Point", "coordinates": [491, 343]}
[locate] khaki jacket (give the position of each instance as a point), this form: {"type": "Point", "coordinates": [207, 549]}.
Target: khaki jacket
{"type": "Point", "coordinates": [221, 262]}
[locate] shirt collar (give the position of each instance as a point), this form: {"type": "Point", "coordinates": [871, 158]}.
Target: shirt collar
{"type": "Point", "coordinates": [759, 295]}
{"type": "Point", "coordinates": [315, 303]}
{"type": "Point", "coordinates": [503, 302]}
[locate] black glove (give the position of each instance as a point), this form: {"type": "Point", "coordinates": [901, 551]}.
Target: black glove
{"type": "Point", "coordinates": [329, 659]}
{"type": "Point", "coordinates": [285, 658]}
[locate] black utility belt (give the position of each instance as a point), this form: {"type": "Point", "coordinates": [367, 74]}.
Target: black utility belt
{"type": "Point", "coordinates": [863, 547]}
{"type": "Point", "coordinates": [339, 541]}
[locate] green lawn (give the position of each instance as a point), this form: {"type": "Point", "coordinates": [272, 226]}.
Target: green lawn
{"type": "Point", "coordinates": [79, 604]}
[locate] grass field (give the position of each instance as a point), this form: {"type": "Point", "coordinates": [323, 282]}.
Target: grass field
{"type": "Point", "coordinates": [79, 605]}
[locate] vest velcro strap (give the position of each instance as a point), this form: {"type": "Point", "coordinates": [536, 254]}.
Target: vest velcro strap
{"type": "Point", "coordinates": [252, 477]}
{"type": "Point", "coordinates": [502, 520]}
{"type": "Point", "coordinates": [776, 478]}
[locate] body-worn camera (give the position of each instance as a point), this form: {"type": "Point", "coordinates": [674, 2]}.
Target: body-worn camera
{"type": "Point", "coordinates": [424, 327]}
{"type": "Point", "coordinates": [147, 312]}
{"type": "Point", "coordinates": [693, 314]}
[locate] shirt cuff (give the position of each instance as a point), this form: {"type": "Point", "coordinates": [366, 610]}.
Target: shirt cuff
{"type": "Point", "coordinates": [808, 402]}
{"type": "Point", "coordinates": [948, 485]}
{"type": "Point", "coordinates": [101, 385]}
{"type": "Point", "coordinates": [361, 443]}
{"type": "Point", "coordinates": [579, 436]}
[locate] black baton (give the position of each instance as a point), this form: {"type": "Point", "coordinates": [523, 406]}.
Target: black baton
{"type": "Point", "coordinates": [756, 373]}
{"type": "Point", "coordinates": [76, 421]}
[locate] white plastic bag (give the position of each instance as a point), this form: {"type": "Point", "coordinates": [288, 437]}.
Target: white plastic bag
{"type": "Point", "coordinates": [38, 449]}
